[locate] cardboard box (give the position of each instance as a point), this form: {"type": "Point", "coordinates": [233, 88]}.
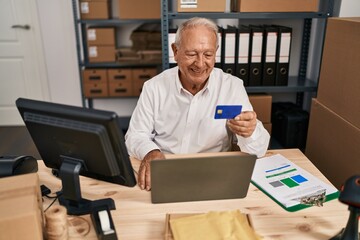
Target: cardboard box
{"type": "Point", "coordinates": [339, 84]}
{"type": "Point", "coordinates": [262, 106]}
{"type": "Point", "coordinates": [147, 36]}
{"type": "Point", "coordinates": [94, 9]}
{"type": "Point", "coordinates": [268, 127]}
{"type": "Point", "coordinates": [151, 56]}
{"type": "Point", "coordinates": [101, 54]}
{"type": "Point", "coordinates": [139, 9]}
{"type": "Point", "coordinates": [201, 6]}
{"type": "Point", "coordinates": [21, 207]}
{"type": "Point", "coordinates": [332, 144]}
{"type": "Point", "coordinates": [275, 5]}
{"type": "Point", "coordinates": [120, 82]}
{"type": "Point", "coordinates": [94, 90]}
{"type": "Point", "coordinates": [95, 76]}
{"type": "Point", "coordinates": [100, 36]}
{"type": "Point", "coordinates": [119, 75]}
{"type": "Point", "coordinates": [127, 55]}
{"type": "Point", "coordinates": [121, 89]}
{"type": "Point", "coordinates": [140, 76]}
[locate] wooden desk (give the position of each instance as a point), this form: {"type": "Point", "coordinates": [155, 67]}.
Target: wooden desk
{"type": "Point", "coordinates": [137, 218]}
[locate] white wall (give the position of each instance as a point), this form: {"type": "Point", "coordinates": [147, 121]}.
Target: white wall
{"type": "Point", "coordinates": [60, 52]}
{"type": "Point", "coordinates": [350, 8]}
{"type": "Point", "coordinates": [57, 28]}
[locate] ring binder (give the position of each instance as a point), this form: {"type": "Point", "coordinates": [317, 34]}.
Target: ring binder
{"type": "Point", "coordinates": [283, 55]}
{"type": "Point", "coordinates": [219, 55]}
{"type": "Point", "coordinates": [269, 56]}
{"type": "Point", "coordinates": [171, 40]}
{"type": "Point", "coordinates": [230, 45]}
{"type": "Point", "coordinates": [242, 55]}
{"type": "Point", "coordinates": [256, 42]}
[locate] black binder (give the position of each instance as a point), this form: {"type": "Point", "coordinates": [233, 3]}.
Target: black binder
{"type": "Point", "coordinates": [283, 55]}
{"type": "Point", "coordinates": [269, 55]}
{"type": "Point", "coordinates": [171, 40]}
{"type": "Point", "coordinates": [242, 55]}
{"type": "Point", "coordinates": [230, 45]}
{"type": "Point", "coordinates": [256, 43]}
{"type": "Point", "coordinates": [219, 55]}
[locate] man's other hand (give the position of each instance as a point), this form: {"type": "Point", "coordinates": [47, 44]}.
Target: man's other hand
{"type": "Point", "coordinates": [243, 124]}
{"type": "Point", "coordinates": [144, 179]}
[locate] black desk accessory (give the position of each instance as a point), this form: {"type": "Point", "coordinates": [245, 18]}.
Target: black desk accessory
{"type": "Point", "coordinates": [350, 195]}
{"type": "Point", "coordinates": [16, 165]}
{"type": "Point", "coordinates": [103, 223]}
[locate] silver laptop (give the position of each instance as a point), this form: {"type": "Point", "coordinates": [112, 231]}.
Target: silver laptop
{"type": "Point", "coordinates": [204, 177]}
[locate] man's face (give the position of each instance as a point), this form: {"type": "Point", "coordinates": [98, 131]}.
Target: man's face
{"type": "Point", "coordinates": [195, 56]}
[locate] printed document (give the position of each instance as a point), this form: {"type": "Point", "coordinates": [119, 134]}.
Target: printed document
{"type": "Point", "coordinates": [288, 184]}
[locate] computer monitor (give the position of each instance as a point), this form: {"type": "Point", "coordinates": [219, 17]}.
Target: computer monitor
{"type": "Point", "coordinates": [75, 140]}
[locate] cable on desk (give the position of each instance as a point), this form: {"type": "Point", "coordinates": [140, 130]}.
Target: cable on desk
{"type": "Point", "coordinates": [51, 204]}
{"type": "Point", "coordinates": [55, 197]}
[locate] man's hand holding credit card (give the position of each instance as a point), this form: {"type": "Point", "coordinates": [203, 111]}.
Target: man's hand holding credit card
{"type": "Point", "coordinates": [227, 111]}
{"type": "Point", "coordinates": [240, 123]}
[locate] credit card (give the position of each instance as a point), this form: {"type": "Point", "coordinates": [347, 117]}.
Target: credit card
{"type": "Point", "coordinates": [227, 111]}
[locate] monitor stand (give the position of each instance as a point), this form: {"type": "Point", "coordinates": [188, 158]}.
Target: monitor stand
{"type": "Point", "coordinates": [70, 196]}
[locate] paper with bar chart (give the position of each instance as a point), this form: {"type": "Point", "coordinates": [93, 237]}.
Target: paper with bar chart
{"type": "Point", "coordinates": [290, 186]}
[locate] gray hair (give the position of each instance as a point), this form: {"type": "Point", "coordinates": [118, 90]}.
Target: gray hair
{"type": "Point", "coordinates": [194, 22]}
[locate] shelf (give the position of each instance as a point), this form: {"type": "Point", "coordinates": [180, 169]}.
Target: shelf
{"type": "Point", "coordinates": [294, 85]}
{"type": "Point", "coordinates": [118, 64]}
{"type": "Point", "coordinates": [112, 98]}
{"type": "Point", "coordinates": [249, 15]}
{"type": "Point", "coordinates": [116, 22]}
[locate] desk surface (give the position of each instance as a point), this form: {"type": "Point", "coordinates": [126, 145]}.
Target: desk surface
{"type": "Point", "coordinates": [137, 218]}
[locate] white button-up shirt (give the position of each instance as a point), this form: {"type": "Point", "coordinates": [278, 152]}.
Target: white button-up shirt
{"type": "Point", "coordinates": [169, 118]}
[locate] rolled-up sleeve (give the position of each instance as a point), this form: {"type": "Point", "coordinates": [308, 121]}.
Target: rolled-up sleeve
{"type": "Point", "coordinates": [257, 143]}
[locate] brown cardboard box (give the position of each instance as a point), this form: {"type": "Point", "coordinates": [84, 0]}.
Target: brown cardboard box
{"type": "Point", "coordinates": [139, 9]}
{"type": "Point", "coordinates": [95, 76]}
{"type": "Point", "coordinates": [100, 36]}
{"type": "Point", "coordinates": [275, 5]}
{"type": "Point", "coordinates": [121, 89]}
{"type": "Point", "coordinates": [94, 9]}
{"type": "Point", "coordinates": [140, 76]}
{"type": "Point", "coordinates": [339, 84]}
{"type": "Point", "coordinates": [96, 90]}
{"type": "Point", "coordinates": [262, 106]}
{"type": "Point", "coordinates": [101, 53]}
{"type": "Point", "coordinates": [21, 207]}
{"type": "Point", "coordinates": [201, 6]}
{"type": "Point", "coordinates": [127, 55]}
{"type": "Point", "coordinates": [268, 127]}
{"type": "Point", "coordinates": [119, 75]}
{"type": "Point", "coordinates": [151, 56]}
{"type": "Point", "coordinates": [332, 144]}
{"type": "Point", "coordinates": [120, 82]}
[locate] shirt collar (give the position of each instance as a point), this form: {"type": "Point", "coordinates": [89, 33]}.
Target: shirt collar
{"type": "Point", "coordinates": [209, 83]}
